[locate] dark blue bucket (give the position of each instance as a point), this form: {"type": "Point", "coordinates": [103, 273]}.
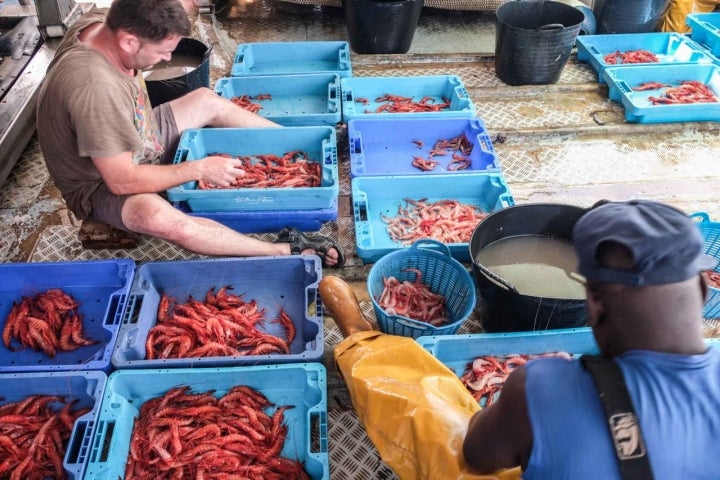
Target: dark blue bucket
{"type": "Point", "coordinates": [629, 16]}
{"type": "Point", "coordinates": [188, 79]}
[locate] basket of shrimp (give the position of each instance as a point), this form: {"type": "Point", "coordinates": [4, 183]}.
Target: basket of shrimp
{"type": "Point", "coordinates": [420, 146]}
{"type": "Point", "coordinates": [432, 96]}
{"type": "Point", "coordinates": [421, 290]}
{"type": "Point", "coordinates": [61, 316]}
{"type": "Point", "coordinates": [632, 49]}
{"type": "Point", "coordinates": [236, 422]}
{"type": "Point", "coordinates": [483, 361]}
{"type": "Point", "coordinates": [223, 312]}
{"type": "Point", "coordinates": [710, 232]}
{"type": "Point", "coordinates": [47, 421]}
{"type": "Point", "coordinates": [668, 93]}
{"type": "Point", "coordinates": [289, 168]}
{"type": "Point", "coordinates": [290, 100]}
{"type": "Point", "coordinates": [392, 212]}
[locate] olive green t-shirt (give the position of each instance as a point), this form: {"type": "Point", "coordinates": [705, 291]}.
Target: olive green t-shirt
{"type": "Point", "coordinates": [88, 108]}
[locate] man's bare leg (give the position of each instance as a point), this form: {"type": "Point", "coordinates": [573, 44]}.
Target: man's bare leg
{"type": "Point", "coordinates": [150, 214]}
{"type": "Point", "coordinates": [205, 108]}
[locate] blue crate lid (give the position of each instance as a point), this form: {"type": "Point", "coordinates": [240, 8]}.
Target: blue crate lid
{"type": "Point", "coordinates": [283, 58]}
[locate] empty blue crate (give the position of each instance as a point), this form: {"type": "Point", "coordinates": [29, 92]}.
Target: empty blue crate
{"type": "Point", "coordinates": [388, 146]}
{"type": "Point", "coordinates": [623, 84]}
{"type": "Point", "coordinates": [302, 386]}
{"type": "Point", "coordinates": [317, 142]}
{"type": "Point", "coordinates": [288, 283]}
{"type": "Point", "coordinates": [294, 100]}
{"type": "Point", "coordinates": [81, 389]}
{"type": "Point", "coordinates": [101, 289]}
{"type": "Point", "coordinates": [362, 96]}
{"type": "Point", "coordinates": [378, 197]}
{"type": "Point", "coordinates": [669, 48]}
{"type": "Point", "coordinates": [268, 221]}
{"type": "Point", "coordinates": [705, 30]}
{"type": "Point", "coordinates": [287, 58]}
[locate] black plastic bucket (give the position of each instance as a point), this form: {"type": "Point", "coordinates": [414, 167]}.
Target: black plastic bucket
{"type": "Point", "coordinates": [381, 26]}
{"type": "Point", "coordinates": [504, 309]}
{"type": "Point", "coordinates": [533, 41]}
{"type": "Point", "coordinates": [161, 91]}
{"type": "Point", "coordinates": [629, 16]}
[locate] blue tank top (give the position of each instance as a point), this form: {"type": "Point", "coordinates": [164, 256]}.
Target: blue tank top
{"type": "Point", "coordinates": [677, 401]}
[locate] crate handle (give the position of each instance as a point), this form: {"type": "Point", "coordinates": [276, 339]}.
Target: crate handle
{"type": "Point", "coordinates": [700, 217]}
{"type": "Point", "coordinates": [360, 207]}
{"type": "Point", "coordinates": [132, 311]}
{"type": "Point", "coordinates": [485, 143]}
{"type": "Point", "coordinates": [622, 85]}
{"type": "Point", "coordinates": [80, 437]}
{"type": "Point", "coordinates": [594, 50]}
{"type": "Point", "coordinates": [181, 155]}
{"type": "Point", "coordinates": [115, 310]}
{"type": "Point", "coordinates": [431, 245]}
{"type": "Point", "coordinates": [710, 27]}
{"type": "Point", "coordinates": [318, 429]}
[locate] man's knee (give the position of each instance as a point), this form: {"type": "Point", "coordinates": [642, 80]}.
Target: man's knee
{"type": "Point", "coordinates": [152, 215]}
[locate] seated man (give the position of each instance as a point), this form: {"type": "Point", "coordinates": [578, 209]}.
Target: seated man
{"type": "Point", "coordinates": [110, 153]}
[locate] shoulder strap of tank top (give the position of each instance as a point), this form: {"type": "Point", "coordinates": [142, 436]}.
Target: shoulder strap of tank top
{"type": "Point", "coordinates": [623, 423]}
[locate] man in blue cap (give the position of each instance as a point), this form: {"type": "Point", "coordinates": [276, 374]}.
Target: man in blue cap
{"type": "Point", "coordinates": [642, 261]}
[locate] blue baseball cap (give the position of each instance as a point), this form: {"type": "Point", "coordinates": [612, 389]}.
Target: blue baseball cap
{"type": "Point", "coordinates": [665, 243]}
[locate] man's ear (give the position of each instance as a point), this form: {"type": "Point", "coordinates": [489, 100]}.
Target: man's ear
{"type": "Point", "coordinates": [128, 42]}
{"type": "Point", "coordinates": [595, 307]}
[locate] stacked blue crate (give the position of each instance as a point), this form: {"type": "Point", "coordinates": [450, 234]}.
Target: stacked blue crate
{"type": "Point", "coordinates": [297, 85]}
{"type": "Point", "coordinates": [640, 87]}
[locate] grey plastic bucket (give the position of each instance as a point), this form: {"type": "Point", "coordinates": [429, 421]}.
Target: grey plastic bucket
{"type": "Point", "coordinates": [161, 91]}
{"type": "Point", "coordinates": [533, 41]}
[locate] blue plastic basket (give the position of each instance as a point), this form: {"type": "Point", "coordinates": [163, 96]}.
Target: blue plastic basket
{"type": "Point", "coordinates": [705, 30]}
{"type": "Point", "coordinates": [297, 100]}
{"type": "Point", "coordinates": [84, 388]}
{"type": "Point", "coordinates": [387, 146]}
{"type": "Point", "coordinates": [102, 288]}
{"type": "Point", "coordinates": [668, 47]}
{"type": "Point", "coordinates": [437, 87]}
{"type": "Point", "coordinates": [710, 232]}
{"type": "Point", "coordinates": [283, 58]}
{"type": "Point", "coordinates": [302, 385]}
{"type": "Point", "coordinates": [287, 282]}
{"type": "Point", "coordinates": [638, 107]}
{"type": "Point", "coordinates": [440, 272]}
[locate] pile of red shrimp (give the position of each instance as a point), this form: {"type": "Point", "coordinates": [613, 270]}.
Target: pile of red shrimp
{"type": "Point", "coordinates": [631, 56]}
{"type": "Point", "coordinates": [413, 300]}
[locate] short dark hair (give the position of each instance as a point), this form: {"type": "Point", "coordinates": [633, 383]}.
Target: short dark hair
{"type": "Point", "coordinates": [151, 20]}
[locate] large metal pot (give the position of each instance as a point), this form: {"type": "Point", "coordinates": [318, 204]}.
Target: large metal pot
{"type": "Point", "coordinates": [504, 308]}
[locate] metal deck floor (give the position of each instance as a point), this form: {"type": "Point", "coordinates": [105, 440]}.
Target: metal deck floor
{"type": "Point", "coordinates": [562, 143]}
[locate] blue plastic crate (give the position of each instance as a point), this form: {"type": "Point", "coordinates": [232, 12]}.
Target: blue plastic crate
{"type": "Point", "coordinates": [385, 147]}
{"type": "Point", "coordinates": [440, 272]}
{"type": "Point", "coordinates": [710, 232]}
{"type": "Point", "coordinates": [268, 221]}
{"type": "Point", "coordinates": [318, 142]}
{"type": "Point", "coordinates": [669, 48]}
{"type": "Point", "coordinates": [376, 196]}
{"type": "Point", "coordinates": [283, 58]}
{"type": "Point", "coordinates": [297, 100]}
{"type": "Point", "coordinates": [84, 388]}
{"type": "Point", "coordinates": [458, 350]}
{"type": "Point", "coordinates": [437, 87]}
{"type": "Point", "coordinates": [705, 30]}
{"type": "Point", "coordinates": [102, 289]}
{"type": "Point", "coordinates": [288, 282]}
{"type": "Point", "coordinates": [639, 109]}
{"type": "Point", "coordinates": [302, 385]}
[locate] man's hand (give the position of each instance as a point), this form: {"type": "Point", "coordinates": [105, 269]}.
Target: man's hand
{"type": "Point", "coordinates": [221, 171]}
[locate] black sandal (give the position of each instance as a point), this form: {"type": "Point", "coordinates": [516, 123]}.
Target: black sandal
{"type": "Point", "coordinates": [300, 242]}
